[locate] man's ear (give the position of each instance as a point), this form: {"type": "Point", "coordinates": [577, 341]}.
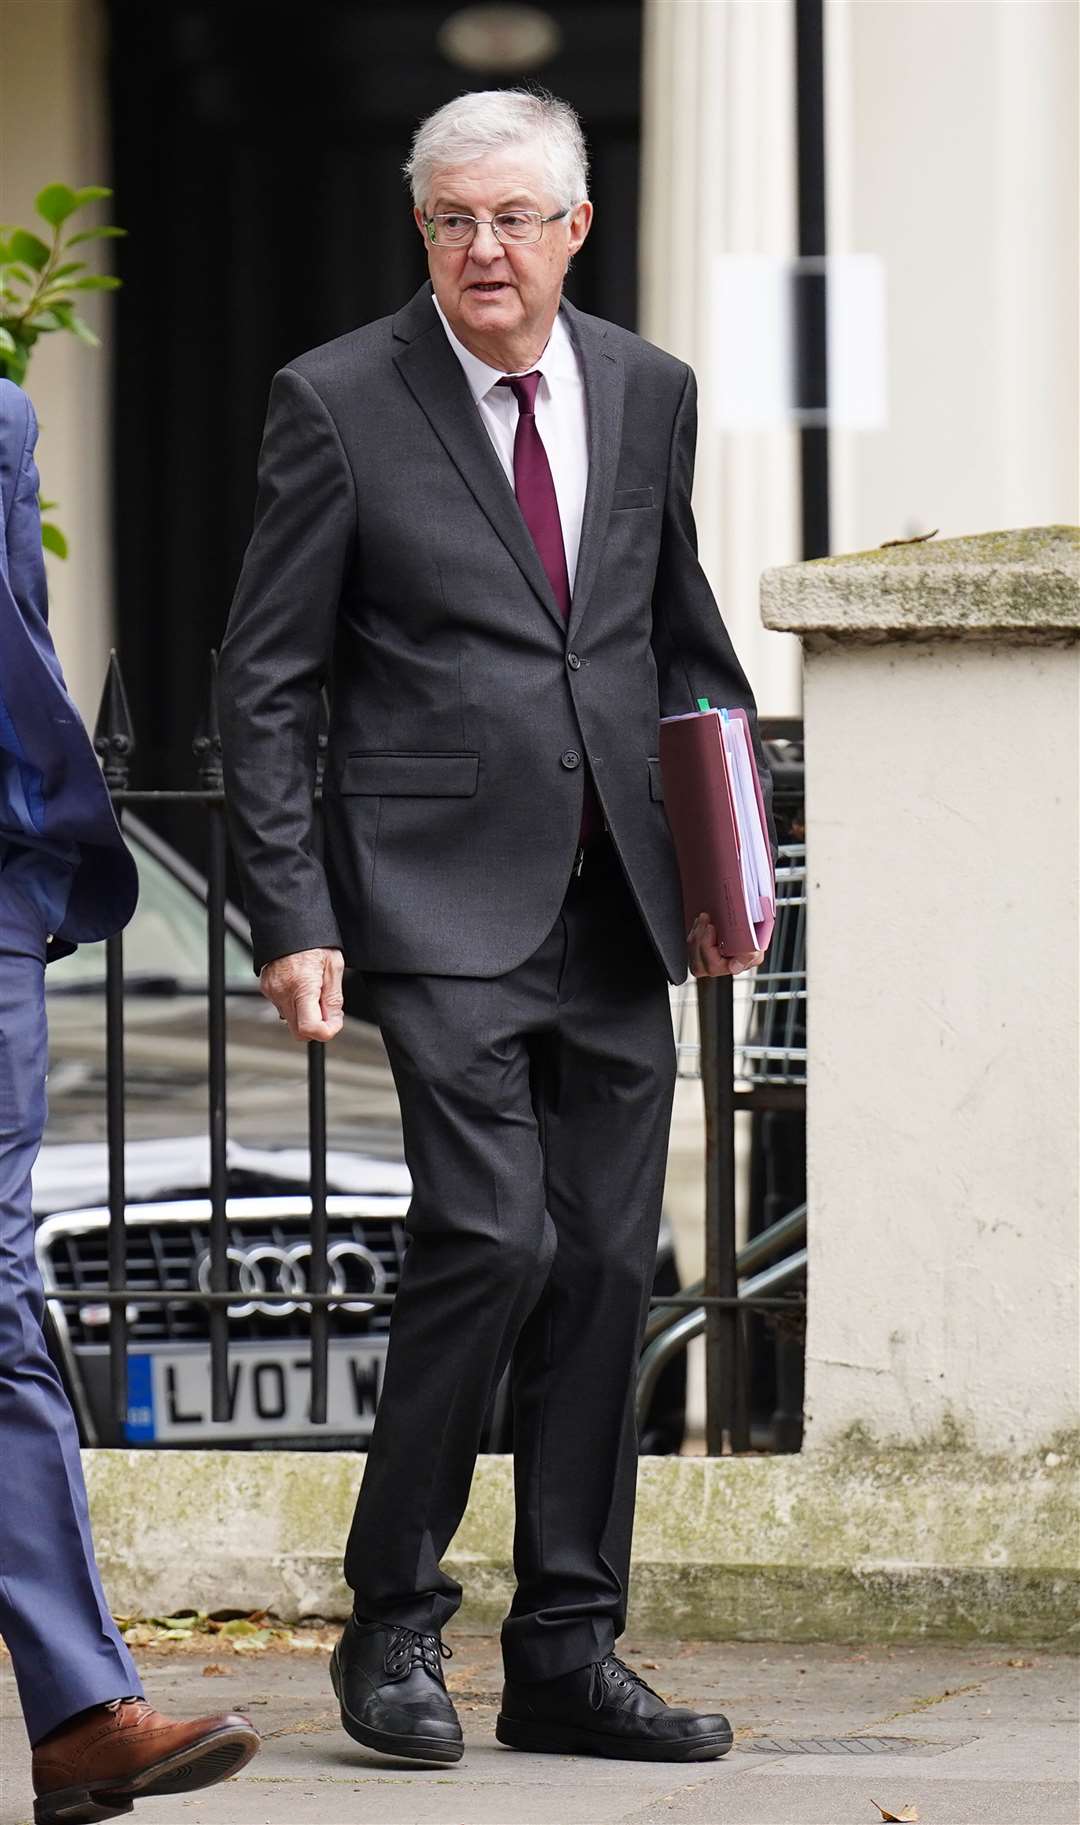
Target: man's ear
{"type": "Point", "coordinates": [580, 223]}
{"type": "Point", "coordinates": [418, 218]}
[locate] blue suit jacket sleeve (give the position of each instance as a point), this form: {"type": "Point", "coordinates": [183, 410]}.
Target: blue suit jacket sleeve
{"type": "Point", "coordinates": [43, 733]}
{"type": "Point", "coordinates": [24, 559]}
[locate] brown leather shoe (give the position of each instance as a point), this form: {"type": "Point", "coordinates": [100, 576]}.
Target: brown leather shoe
{"type": "Point", "coordinates": [95, 1766]}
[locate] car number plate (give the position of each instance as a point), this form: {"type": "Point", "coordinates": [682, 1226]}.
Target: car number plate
{"type": "Point", "coordinates": [269, 1392]}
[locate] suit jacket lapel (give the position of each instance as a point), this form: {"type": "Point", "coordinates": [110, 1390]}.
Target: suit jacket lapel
{"type": "Point", "coordinates": [432, 372]}
{"type": "Point", "coordinates": [603, 376]}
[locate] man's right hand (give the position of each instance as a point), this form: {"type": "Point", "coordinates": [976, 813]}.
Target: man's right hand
{"type": "Point", "coordinates": [305, 988]}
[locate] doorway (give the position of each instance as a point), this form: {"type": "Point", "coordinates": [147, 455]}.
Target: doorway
{"type": "Point", "coordinates": [245, 135]}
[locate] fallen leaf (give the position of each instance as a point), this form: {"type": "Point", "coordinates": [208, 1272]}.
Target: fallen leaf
{"type": "Point", "coordinates": [307, 1726]}
{"type": "Point", "coordinates": [906, 1816]}
{"type": "Point", "coordinates": [139, 1635]}
{"type": "Point", "coordinates": [1018, 1662]}
{"type": "Point", "coordinates": [215, 1672]}
{"type": "Point", "coordinates": [142, 1631]}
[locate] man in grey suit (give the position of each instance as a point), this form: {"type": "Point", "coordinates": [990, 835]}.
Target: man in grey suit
{"type": "Point", "coordinates": [474, 526]}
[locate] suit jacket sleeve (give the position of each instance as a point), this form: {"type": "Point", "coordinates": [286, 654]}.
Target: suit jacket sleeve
{"type": "Point", "coordinates": [25, 556]}
{"type": "Point", "coordinates": [275, 655]}
{"type": "Point", "coordinates": [692, 647]}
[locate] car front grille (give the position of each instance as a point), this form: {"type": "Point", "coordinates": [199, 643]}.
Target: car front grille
{"type": "Point", "coordinates": [268, 1254]}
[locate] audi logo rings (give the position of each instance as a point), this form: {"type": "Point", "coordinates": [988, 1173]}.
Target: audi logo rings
{"type": "Point", "coordinates": [267, 1268]}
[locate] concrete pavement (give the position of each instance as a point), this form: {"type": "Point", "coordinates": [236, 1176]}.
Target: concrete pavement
{"type": "Point", "coordinates": [967, 1736]}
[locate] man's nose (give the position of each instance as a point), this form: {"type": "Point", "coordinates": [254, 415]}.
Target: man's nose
{"type": "Point", "coordinates": [485, 248]}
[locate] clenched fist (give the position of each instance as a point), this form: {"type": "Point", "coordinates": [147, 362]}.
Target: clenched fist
{"type": "Point", "coordinates": [706, 957]}
{"type": "Point", "coordinates": [305, 988]}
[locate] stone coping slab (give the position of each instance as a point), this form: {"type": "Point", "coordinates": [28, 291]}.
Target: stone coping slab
{"type": "Point", "coordinates": [842, 1544]}
{"type": "Point", "coordinates": [1022, 585]}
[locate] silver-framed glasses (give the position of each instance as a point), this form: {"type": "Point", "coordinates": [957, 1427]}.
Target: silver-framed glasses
{"type": "Point", "coordinates": [511, 227]}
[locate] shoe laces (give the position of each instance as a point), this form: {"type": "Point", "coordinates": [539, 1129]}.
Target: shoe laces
{"type": "Point", "coordinates": [409, 1648]}
{"type": "Point", "coordinates": [613, 1674]}
{"type": "Point", "coordinates": [116, 1705]}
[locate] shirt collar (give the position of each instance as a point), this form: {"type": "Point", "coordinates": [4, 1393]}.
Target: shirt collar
{"type": "Point", "coordinates": [558, 361]}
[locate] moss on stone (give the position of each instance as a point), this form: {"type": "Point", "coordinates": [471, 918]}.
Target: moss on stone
{"type": "Point", "coordinates": [950, 1440]}
{"type": "Point", "coordinates": [1037, 545]}
{"type": "Point", "coordinates": [857, 1539]}
{"type": "Point", "coordinates": [1019, 584]}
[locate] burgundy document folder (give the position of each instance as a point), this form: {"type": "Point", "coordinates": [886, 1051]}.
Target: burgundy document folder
{"type": "Point", "coordinates": [725, 864]}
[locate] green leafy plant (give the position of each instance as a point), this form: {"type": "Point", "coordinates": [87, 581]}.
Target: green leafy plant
{"type": "Point", "coordinates": [39, 284]}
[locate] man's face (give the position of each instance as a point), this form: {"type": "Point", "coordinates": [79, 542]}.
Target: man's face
{"type": "Point", "coordinates": [491, 290]}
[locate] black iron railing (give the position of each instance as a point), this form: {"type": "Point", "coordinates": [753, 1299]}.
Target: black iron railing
{"type": "Point", "coordinates": [734, 1284]}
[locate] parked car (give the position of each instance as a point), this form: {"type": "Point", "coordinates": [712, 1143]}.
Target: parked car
{"type": "Point", "coordinates": [168, 1209]}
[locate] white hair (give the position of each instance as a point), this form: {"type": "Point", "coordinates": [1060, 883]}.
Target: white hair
{"type": "Point", "coordinates": [487, 120]}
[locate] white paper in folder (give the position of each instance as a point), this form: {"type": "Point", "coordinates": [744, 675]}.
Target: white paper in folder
{"type": "Point", "coordinates": [754, 860]}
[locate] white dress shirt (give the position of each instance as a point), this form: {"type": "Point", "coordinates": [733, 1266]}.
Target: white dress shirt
{"type": "Point", "coordinates": [561, 420]}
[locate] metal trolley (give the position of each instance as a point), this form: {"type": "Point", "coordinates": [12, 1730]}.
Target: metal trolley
{"type": "Point", "coordinates": [745, 1038]}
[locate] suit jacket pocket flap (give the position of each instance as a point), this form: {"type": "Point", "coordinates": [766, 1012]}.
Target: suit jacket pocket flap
{"type": "Point", "coordinates": [656, 783]}
{"type": "Point", "coordinates": [410, 775]}
{"type": "Point", "coordinates": [631, 497]}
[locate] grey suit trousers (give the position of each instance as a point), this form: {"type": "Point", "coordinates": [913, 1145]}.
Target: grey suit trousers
{"type": "Point", "coordinates": [536, 1108]}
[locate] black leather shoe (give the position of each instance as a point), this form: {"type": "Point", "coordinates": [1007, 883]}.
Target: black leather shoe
{"type": "Point", "coordinates": [606, 1709]}
{"type": "Point", "coordinates": [389, 1684]}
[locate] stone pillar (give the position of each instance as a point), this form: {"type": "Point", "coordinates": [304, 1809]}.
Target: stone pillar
{"type": "Point", "coordinates": [718, 177]}
{"type": "Point", "coordinates": [941, 711]}
{"type": "Point", "coordinates": [951, 138]}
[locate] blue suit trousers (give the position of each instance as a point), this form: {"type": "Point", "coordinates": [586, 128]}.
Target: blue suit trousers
{"type": "Point", "coordinates": [65, 1648]}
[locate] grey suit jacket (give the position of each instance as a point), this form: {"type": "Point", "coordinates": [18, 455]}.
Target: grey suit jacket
{"type": "Point", "coordinates": [390, 561]}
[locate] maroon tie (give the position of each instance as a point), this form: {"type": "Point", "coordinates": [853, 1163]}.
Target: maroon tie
{"type": "Point", "coordinates": [535, 489]}
{"type": "Point", "coordinates": [536, 497]}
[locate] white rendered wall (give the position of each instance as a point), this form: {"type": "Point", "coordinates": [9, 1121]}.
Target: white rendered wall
{"type": "Point", "coordinates": [53, 129]}
{"type": "Point", "coordinates": [943, 1083]}
{"type": "Point", "coordinates": [952, 154]}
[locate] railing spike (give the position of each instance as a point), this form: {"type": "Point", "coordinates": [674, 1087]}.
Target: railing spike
{"type": "Point", "coordinates": [114, 731]}
{"type": "Point", "coordinates": [207, 744]}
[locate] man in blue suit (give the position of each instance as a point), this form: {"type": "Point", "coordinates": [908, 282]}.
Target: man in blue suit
{"type": "Point", "coordinates": [65, 877]}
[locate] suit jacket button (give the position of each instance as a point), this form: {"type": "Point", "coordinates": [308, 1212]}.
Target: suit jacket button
{"type": "Point", "coordinates": [573, 662]}
{"type": "Point", "coordinates": [571, 759]}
